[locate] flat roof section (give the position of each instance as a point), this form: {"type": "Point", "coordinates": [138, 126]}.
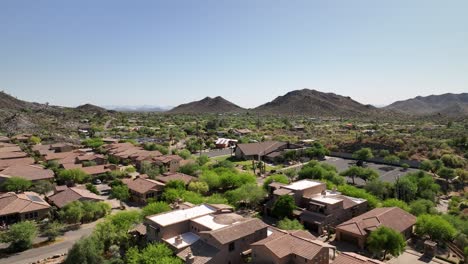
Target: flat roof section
{"type": "Point", "coordinates": [178, 216]}
{"type": "Point", "coordinates": [302, 185]}
{"type": "Point", "coordinates": [208, 221]}
{"type": "Point", "coordinates": [326, 200]}
{"type": "Point", "coordinates": [187, 239]}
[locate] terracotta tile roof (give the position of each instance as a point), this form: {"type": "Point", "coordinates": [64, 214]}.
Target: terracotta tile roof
{"type": "Point", "coordinates": [73, 194]}
{"type": "Point", "coordinates": [62, 157]}
{"type": "Point", "coordinates": [201, 251]}
{"type": "Point", "coordinates": [167, 158]}
{"type": "Point", "coordinates": [10, 149]}
{"type": "Point", "coordinates": [298, 243]}
{"type": "Point", "coordinates": [237, 230]}
{"type": "Point", "coordinates": [30, 172]}
{"type": "Point", "coordinates": [11, 162]}
{"type": "Point", "coordinates": [12, 203]}
{"type": "Point", "coordinates": [353, 258]}
{"type": "Point", "coordinates": [393, 217]}
{"type": "Point", "coordinates": [95, 170]}
{"type": "Point", "coordinates": [260, 148]}
{"type": "Point", "coordinates": [142, 186]}
{"type": "Point", "coordinates": [40, 147]}
{"type": "Point", "coordinates": [89, 157]}
{"type": "Point", "coordinates": [166, 177]}
{"type": "Point", "coordinates": [13, 155]}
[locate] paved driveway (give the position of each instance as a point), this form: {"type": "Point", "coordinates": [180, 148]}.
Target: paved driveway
{"type": "Point", "coordinates": [413, 257]}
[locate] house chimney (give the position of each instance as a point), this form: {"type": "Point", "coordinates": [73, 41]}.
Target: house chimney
{"type": "Point", "coordinates": [324, 193]}
{"type": "Point", "coordinates": [189, 259]}
{"type": "Point", "coordinates": [178, 240]}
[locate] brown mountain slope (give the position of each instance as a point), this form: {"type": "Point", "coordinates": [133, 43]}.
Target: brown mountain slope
{"type": "Point", "coordinates": [315, 103]}
{"type": "Point", "coordinates": [451, 105]}
{"type": "Point", "coordinates": [207, 105]}
{"type": "Point", "coordinates": [17, 116]}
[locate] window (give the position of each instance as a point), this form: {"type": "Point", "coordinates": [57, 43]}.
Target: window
{"type": "Point", "coordinates": [232, 247]}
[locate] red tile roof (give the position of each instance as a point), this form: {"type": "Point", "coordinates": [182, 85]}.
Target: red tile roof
{"type": "Point", "coordinates": [166, 177]}
{"type": "Point", "coordinates": [392, 217]}
{"type": "Point", "coordinates": [30, 172]}
{"type": "Point", "coordinates": [95, 170]}
{"type": "Point", "coordinates": [236, 231]}
{"type": "Point", "coordinates": [142, 185]}
{"type": "Point", "coordinates": [11, 162]}
{"type": "Point", "coordinates": [73, 194]}
{"type": "Point", "coordinates": [299, 243]}
{"type": "Point", "coordinates": [12, 203]}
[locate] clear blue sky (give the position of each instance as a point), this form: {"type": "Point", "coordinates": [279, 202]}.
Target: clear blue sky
{"type": "Point", "coordinates": [111, 52]}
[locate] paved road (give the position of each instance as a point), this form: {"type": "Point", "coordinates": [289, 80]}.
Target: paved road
{"type": "Point", "coordinates": [61, 247]}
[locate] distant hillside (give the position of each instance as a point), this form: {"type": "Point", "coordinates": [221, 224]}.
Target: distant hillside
{"type": "Point", "coordinates": [89, 108]}
{"type": "Point", "coordinates": [137, 108]}
{"type": "Point", "coordinates": [207, 105]}
{"type": "Point", "coordinates": [9, 102]}
{"type": "Point", "coordinates": [315, 103]}
{"type": "Point", "coordinates": [17, 116]}
{"type": "Point", "coordinates": [451, 105]}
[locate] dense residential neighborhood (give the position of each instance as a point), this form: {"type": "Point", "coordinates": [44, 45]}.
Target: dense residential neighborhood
{"type": "Point", "coordinates": [234, 132]}
{"type": "Point", "coordinates": [268, 202]}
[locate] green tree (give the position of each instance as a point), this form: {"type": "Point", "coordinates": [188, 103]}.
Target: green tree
{"type": "Point", "coordinates": [406, 189]}
{"type": "Point", "coordinates": [288, 224]}
{"type": "Point", "coordinates": [387, 240]}
{"type": "Point", "coordinates": [72, 175]}
{"type": "Point", "coordinates": [426, 165]}
{"type": "Point", "coordinates": [199, 187]}
{"type": "Point", "coordinates": [92, 188]}
{"type": "Point", "coordinates": [363, 154]}
{"type": "Point", "coordinates": [20, 235]}
{"type": "Point", "coordinates": [120, 192]}
{"type": "Point", "coordinates": [16, 184]}
{"type": "Point", "coordinates": [191, 168]}
{"type": "Point", "coordinates": [317, 151]}
{"type": "Point", "coordinates": [396, 203]}
{"type": "Point", "coordinates": [155, 208]}
{"type": "Point", "coordinates": [392, 159]}
{"type": "Point", "coordinates": [42, 187]}
{"type": "Point", "coordinates": [185, 154]}
{"type": "Point", "coordinates": [381, 189]}
{"type": "Point", "coordinates": [85, 251]}
{"type": "Point", "coordinates": [152, 254]}
{"type": "Point", "coordinates": [34, 140]}
{"type": "Point", "coordinates": [365, 174]}
{"type": "Point", "coordinates": [284, 206]}
{"type": "Point", "coordinates": [248, 195]}
{"type": "Point", "coordinates": [436, 227]}
{"type": "Point", "coordinates": [352, 191]}
{"type": "Point", "coordinates": [275, 178]}
{"type": "Point", "coordinates": [202, 160]}
{"type": "Point", "coordinates": [422, 206]}
{"type": "Point", "coordinates": [72, 212]}
{"type": "Point", "coordinates": [53, 230]}
{"type": "Point", "coordinates": [93, 143]}
{"type": "Point", "coordinates": [447, 174]}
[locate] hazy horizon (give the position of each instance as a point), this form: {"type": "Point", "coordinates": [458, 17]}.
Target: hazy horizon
{"type": "Point", "coordinates": [166, 53]}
